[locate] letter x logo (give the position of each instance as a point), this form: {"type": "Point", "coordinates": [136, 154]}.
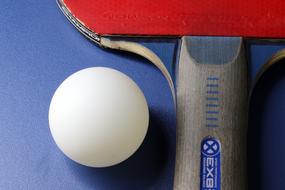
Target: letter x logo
{"type": "Point", "coordinates": [210, 147]}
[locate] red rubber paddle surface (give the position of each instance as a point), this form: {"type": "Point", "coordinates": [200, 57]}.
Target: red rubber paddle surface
{"type": "Point", "coordinates": [249, 18]}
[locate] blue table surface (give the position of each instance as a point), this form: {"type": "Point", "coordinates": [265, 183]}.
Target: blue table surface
{"type": "Point", "coordinates": [266, 152]}
{"type": "Point", "coordinates": [39, 49]}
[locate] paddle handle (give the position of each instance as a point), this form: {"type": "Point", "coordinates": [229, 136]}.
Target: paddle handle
{"type": "Point", "coordinates": [211, 114]}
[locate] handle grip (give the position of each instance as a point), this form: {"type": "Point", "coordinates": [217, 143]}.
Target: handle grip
{"type": "Point", "coordinates": [211, 114]}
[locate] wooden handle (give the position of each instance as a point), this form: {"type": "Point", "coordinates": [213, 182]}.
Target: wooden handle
{"type": "Point", "coordinates": [211, 114]}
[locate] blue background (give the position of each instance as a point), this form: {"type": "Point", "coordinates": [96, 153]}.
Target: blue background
{"type": "Point", "coordinates": [39, 49]}
{"type": "Point", "coordinates": [266, 142]}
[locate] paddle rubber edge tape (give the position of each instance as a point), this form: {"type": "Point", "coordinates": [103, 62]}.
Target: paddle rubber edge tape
{"type": "Point", "coordinates": [278, 56]}
{"type": "Point", "coordinates": [212, 113]}
{"type": "Point", "coordinates": [256, 18]}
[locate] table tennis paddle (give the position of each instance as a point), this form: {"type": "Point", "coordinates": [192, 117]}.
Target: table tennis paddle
{"type": "Point", "coordinates": [212, 91]}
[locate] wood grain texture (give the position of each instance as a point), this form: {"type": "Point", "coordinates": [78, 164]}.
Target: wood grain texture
{"type": "Point", "coordinates": [231, 126]}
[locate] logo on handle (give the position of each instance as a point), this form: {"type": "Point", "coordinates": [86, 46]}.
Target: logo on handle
{"type": "Point", "coordinates": [210, 164]}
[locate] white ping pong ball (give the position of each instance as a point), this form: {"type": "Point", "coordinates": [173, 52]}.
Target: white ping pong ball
{"type": "Point", "coordinates": [98, 117]}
